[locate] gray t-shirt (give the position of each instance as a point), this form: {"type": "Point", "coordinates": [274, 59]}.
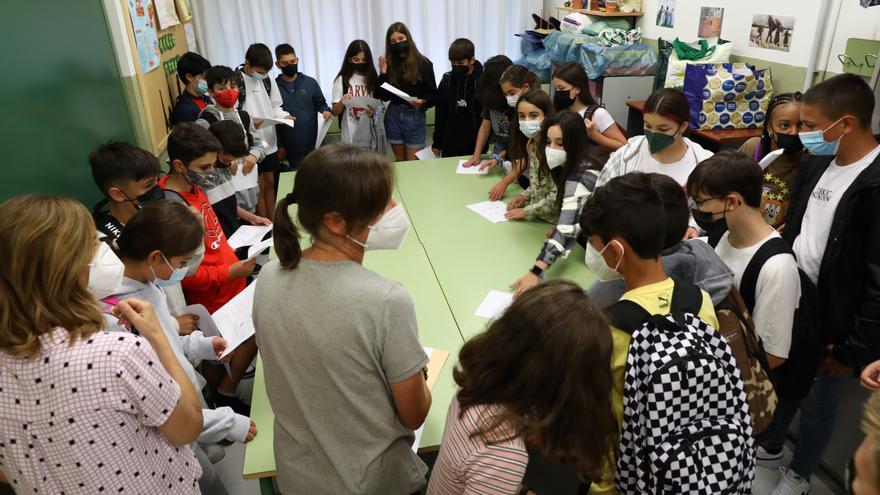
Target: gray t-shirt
{"type": "Point", "coordinates": [333, 336]}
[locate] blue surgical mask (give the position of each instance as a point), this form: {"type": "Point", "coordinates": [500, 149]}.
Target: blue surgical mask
{"type": "Point", "coordinates": [530, 128]}
{"type": "Point", "coordinates": [815, 143]}
{"type": "Point", "coordinates": [256, 75]}
{"type": "Point", "coordinates": [202, 87]}
{"type": "Point", "coordinates": [177, 274]}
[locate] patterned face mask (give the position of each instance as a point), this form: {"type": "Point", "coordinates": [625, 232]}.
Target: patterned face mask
{"type": "Point", "coordinates": [205, 180]}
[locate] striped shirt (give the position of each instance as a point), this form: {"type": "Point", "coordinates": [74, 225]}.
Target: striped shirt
{"type": "Point", "coordinates": [578, 188]}
{"type": "Point", "coordinates": [468, 465]}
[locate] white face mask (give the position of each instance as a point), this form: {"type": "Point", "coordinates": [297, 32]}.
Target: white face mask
{"type": "Point", "coordinates": [597, 263]}
{"type": "Point", "coordinates": [555, 157]}
{"type": "Point", "coordinates": [530, 128]}
{"type": "Point", "coordinates": [105, 272]}
{"type": "Point", "coordinates": [512, 100]}
{"type": "Point", "coordinates": [387, 233]}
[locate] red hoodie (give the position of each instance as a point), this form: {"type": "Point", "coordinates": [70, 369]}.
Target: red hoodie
{"type": "Point", "coordinates": [210, 286]}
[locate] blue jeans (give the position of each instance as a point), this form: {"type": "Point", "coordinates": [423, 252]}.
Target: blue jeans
{"type": "Point", "coordinates": [818, 412]}
{"type": "Point", "coordinates": [405, 125]}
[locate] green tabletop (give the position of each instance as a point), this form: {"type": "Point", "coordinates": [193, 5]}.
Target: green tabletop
{"type": "Point", "coordinates": [470, 254]}
{"type": "Point", "coordinates": [410, 266]}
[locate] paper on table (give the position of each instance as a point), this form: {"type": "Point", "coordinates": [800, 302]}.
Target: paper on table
{"type": "Point", "coordinates": [276, 120]}
{"type": "Point", "coordinates": [206, 321]}
{"type": "Point", "coordinates": [248, 235]}
{"type": "Point", "coordinates": [256, 249]}
{"type": "Point", "coordinates": [491, 210]}
{"type": "Point", "coordinates": [426, 154]}
{"type": "Point", "coordinates": [475, 170]}
{"type": "Point", "coordinates": [235, 319]}
{"type": "Point", "coordinates": [494, 304]}
{"type": "Point", "coordinates": [362, 102]}
{"type": "Point", "coordinates": [770, 158]}
{"type": "Point", "coordinates": [242, 181]}
{"type": "Point", "coordinates": [323, 127]}
{"type": "Point", "coordinates": [391, 89]}
{"type": "Point", "coordinates": [418, 439]}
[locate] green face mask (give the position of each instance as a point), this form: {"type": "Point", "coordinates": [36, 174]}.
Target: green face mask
{"type": "Point", "coordinates": [658, 142]}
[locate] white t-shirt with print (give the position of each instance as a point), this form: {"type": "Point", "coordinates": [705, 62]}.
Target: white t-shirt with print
{"type": "Point", "coordinates": [777, 292]}
{"type": "Point", "coordinates": [260, 104]}
{"type": "Point", "coordinates": [680, 170]}
{"type": "Point", "coordinates": [809, 246]}
{"type": "Point", "coordinates": [351, 116]}
{"type": "Point", "coordinates": [602, 119]}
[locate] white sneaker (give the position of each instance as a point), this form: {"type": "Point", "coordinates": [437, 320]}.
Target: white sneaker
{"type": "Point", "coordinates": [767, 459]}
{"type": "Point", "coordinates": [791, 484]}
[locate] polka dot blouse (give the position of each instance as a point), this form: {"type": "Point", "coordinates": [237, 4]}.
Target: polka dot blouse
{"type": "Point", "coordinates": [83, 419]}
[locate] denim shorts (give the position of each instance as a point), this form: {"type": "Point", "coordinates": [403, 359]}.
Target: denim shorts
{"type": "Point", "coordinates": [405, 125]}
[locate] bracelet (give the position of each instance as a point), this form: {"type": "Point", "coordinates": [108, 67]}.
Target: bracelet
{"type": "Point", "coordinates": [537, 271]}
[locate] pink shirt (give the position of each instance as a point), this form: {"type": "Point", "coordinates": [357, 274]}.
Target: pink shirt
{"type": "Point", "coordinates": [83, 419]}
{"type": "Point", "coordinates": [467, 465]}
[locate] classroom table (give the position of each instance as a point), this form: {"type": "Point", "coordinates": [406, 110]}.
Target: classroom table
{"type": "Point", "coordinates": [715, 140]}
{"type": "Point", "coordinates": [448, 263]}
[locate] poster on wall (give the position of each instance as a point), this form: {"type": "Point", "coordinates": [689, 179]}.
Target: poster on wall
{"type": "Point", "coordinates": [166, 13]}
{"type": "Point", "coordinates": [184, 10]}
{"type": "Point", "coordinates": [771, 31]}
{"type": "Point", "coordinates": [710, 22]}
{"type": "Point", "coordinates": [144, 28]}
{"type": "Point", "coordinates": [190, 37]}
{"type": "Point", "coordinates": [666, 14]}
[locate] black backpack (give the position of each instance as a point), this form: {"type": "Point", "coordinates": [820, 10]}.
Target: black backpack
{"type": "Point", "coordinates": [686, 425]}
{"type": "Point", "coordinates": [794, 378]}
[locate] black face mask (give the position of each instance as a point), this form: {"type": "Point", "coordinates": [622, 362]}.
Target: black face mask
{"type": "Point", "coordinates": [290, 70]}
{"type": "Point", "coordinates": [359, 67]}
{"type": "Point", "coordinates": [562, 100]}
{"type": "Point", "coordinates": [705, 222]}
{"type": "Point", "coordinates": [459, 71]}
{"type": "Point", "coordinates": [154, 194]}
{"type": "Point", "coordinates": [400, 48]}
{"type": "Point", "coordinates": [791, 143]}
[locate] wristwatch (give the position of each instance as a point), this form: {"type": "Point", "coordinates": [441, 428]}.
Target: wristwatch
{"type": "Point", "coordinates": [538, 271]}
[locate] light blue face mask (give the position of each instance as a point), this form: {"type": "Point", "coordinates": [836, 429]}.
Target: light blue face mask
{"type": "Point", "coordinates": [256, 75]}
{"type": "Point", "coordinates": [815, 143]}
{"type": "Point", "coordinates": [202, 87]}
{"type": "Point", "coordinates": [177, 274]}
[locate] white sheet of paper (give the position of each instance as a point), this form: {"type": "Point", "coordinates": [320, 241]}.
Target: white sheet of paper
{"type": "Point", "coordinates": [248, 235]}
{"type": "Point", "coordinates": [491, 210]}
{"type": "Point", "coordinates": [323, 127]}
{"type": "Point", "coordinates": [276, 120]}
{"type": "Point", "coordinates": [494, 304]}
{"type": "Point", "coordinates": [418, 439]}
{"type": "Point", "coordinates": [256, 249]}
{"type": "Point", "coordinates": [475, 170]}
{"type": "Point", "coordinates": [235, 319]}
{"type": "Point", "coordinates": [206, 321]}
{"type": "Point", "coordinates": [770, 158]}
{"type": "Point", "coordinates": [426, 154]}
{"type": "Point", "coordinates": [243, 182]}
{"type": "Point", "coordinates": [362, 102]}
{"type": "Point", "coordinates": [391, 89]}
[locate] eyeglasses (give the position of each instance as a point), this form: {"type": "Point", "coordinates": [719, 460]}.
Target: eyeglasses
{"type": "Point", "coordinates": [694, 204]}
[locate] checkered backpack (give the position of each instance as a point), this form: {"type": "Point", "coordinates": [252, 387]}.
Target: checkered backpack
{"type": "Point", "coordinates": [686, 425]}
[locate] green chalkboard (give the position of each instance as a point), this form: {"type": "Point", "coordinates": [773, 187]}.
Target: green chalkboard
{"type": "Point", "coordinates": [60, 95]}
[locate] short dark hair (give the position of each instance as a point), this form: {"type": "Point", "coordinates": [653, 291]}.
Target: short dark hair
{"type": "Point", "coordinates": [231, 137]}
{"type": "Point", "coordinates": [189, 141]}
{"type": "Point", "coordinates": [460, 49]}
{"type": "Point", "coordinates": [629, 207]}
{"type": "Point", "coordinates": [675, 205]}
{"type": "Point", "coordinates": [220, 74]}
{"type": "Point", "coordinates": [116, 163]}
{"type": "Point", "coordinates": [670, 103]}
{"type": "Point", "coordinates": [284, 49]}
{"type": "Point", "coordinates": [192, 64]}
{"type": "Point", "coordinates": [840, 95]}
{"type": "Point", "coordinates": [258, 55]}
{"type": "Point", "coordinates": [164, 225]}
{"type": "Point", "coordinates": [726, 172]}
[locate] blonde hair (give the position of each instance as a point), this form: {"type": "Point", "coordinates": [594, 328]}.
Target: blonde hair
{"type": "Point", "coordinates": [45, 243]}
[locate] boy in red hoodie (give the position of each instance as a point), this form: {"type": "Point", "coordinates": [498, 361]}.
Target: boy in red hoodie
{"type": "Point", "coordinates": [192, 152]}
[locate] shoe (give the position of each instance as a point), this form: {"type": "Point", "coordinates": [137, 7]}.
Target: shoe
{"type": "Point", "coordinates": [237, 405]}
{"type": "Point", "coordinates": [791, 484]}
{"type": "Point", "coordinates": [767, 459]}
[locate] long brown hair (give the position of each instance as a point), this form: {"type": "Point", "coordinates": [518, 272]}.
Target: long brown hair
{"type": "Point", "coordinates": [408, 66]}
{"type": "Point", "coordinates": [573, 73]}
{"type": "Point", "coordinates": [355, 183]}
{"type": "Point", "coordinates": [518, 141]}
{"type": "Point", "coordinates": [550, 372]}
{"type": "Point", "coordinates": [45, 243]}
{"type": "Point", "coordinates": [577, 149]}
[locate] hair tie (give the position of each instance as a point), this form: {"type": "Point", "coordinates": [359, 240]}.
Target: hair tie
{"type": "Point", "coordinates": [290, 198]}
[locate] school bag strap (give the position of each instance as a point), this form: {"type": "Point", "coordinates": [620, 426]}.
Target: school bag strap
{"type": "Point", "coordinates": [629, 316]}
{"type": "Point", "coordinates": [749, 283]}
